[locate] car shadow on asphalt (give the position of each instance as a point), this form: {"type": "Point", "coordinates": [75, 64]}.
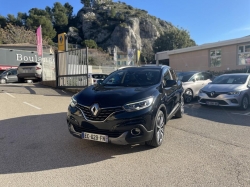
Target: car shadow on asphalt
{"type": "Point", "coordinates": [43, 142]}
{"type": "Point", "coordinates": [227, 115]}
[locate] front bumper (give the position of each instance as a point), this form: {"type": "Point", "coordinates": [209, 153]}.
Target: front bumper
{"type": "Point", "coordinates": [220, 100]}
{"type": "Point", "coordinates": [117, 126]}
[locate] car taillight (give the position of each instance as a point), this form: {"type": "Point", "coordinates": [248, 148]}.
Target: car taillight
{"type": "Point", "coordinates": [37, 68]}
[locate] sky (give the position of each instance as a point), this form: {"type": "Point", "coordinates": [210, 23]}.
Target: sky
{"type": "Point", "coordinates": [207, 21]}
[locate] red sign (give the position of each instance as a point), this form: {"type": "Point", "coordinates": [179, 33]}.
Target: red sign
{"type": "Point", "coordinates": [39, 41]}
{"type": "Point", "coordinates": [7, 67]}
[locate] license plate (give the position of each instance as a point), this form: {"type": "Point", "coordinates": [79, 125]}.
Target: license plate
{"type": "Point", "coordinates": [212, 103]}
{"type": "Point", "coordinates": [95, 137]}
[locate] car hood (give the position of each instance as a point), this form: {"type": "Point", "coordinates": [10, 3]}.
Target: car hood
{"type": "Point", "coordinates": [113, 96]}
{"type": "Point", "coordinates": [223, 87]}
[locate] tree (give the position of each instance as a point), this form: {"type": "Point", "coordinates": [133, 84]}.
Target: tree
{"type": "Point", "coordinates": [69, 10]}
{"type": "Point", "coordinates": [90, 44]}
{"type": "Point", "coordinates": [11, 19]}
{"type": "Point", "coordinates": [86, 3]}
{"type": "Point", "coordinates": [113, 12]}
{"type": "Point", "coordinates": [60, 15]}
{"type": "Point", "coordinates": [173, 39]}
{"type": "Point", "coordinates": [41, 17]}
{"type": "Point", "coordinates": [21, 19]}
{"type": "Point", "coordinates": [3, 21]}
{"type": "Point", "coordinates": [13, 34]}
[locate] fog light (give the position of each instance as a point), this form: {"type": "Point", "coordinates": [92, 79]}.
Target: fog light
{"type": "Point", "coordinates": [234, 101]}
{"type": "Point", "coordinates": [136, 131]}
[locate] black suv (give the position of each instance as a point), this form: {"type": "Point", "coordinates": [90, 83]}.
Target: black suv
{"type": "Point", "coordinates": [130, 106]}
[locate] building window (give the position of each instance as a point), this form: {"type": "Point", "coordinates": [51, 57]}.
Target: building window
{"type": "Point", "coordinates": [215, 58]}
{"type": "Point", "coordinates": [244, 54]}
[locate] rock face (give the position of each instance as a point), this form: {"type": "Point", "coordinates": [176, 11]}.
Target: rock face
{"type": "Point", "coordinates": [117, 24]}
{"type": "Point", "coordinates": [73, 34]}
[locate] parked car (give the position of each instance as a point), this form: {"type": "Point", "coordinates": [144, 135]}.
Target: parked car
{"type": "Point", "coordinates": [29, 71]}
{"type": "Point", "coordinates": [9, 75]}
{"type": "Point", "coordinates": [227, 90]}
{"type": "Point", "coordinates": [130, 106]}
{"type": "Point", "coordinates": [3, 68]}
{"type": "Point", "coordinates": [192, 82]}
{"type": "Point", "coordinates": [93, 78]}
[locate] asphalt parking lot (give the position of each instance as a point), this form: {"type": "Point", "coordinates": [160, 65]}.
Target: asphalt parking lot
{"type": "Point", "coordinates": [209, 146]}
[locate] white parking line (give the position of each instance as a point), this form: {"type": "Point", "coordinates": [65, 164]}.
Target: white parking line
{"type": "Point", "coordinates": [32, 105]}
{"type": "Point", "coordinates": [10, 95]}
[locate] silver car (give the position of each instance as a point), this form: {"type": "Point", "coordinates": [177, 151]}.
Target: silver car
{"type": "Point", "coordinates": [227, 90]}
{"type": "Point", "coordinates": [9, 75]}
{"type": "Point", "coordinates": [192, 82]}
{"type": "Point", "coordinates": [29, 71]}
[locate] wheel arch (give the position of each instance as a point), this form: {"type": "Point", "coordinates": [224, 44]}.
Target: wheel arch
{"type": "Point", "coordinates": [163, 108]}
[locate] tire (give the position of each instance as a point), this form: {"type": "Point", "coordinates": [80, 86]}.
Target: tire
{"type": "Point", "coordinates": [180, 111]}
{"type": "Point", "coordinates": [159, 128]}
{"type": "Point", "coordinates": [188, 95]}
{"type": "Point", "coordinates": [3, 81]}
{"type": "Point", "coordinates": [244, 103]}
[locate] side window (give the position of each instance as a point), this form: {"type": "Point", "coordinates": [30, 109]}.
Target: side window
{"type": "Point", "coordinates": [166, 77]}
{"type": "Point", "coordinates": [207, 76]}
{"type": "Point", "coordinates": [199, 77]}
{"type": "Point", "coordinates": [249, 82]}
{"type": "Point", "coordinates": [173, 74]}
{"type": "Point", "coordinates": [14, 72]}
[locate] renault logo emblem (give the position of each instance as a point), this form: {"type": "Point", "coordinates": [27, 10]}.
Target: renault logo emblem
{"type": "Point", "coordinates": [212, 94]}
{"type": "Point", "coordinates": [61, 39]}
{"type": "Point", "coordinates": [95, 109]}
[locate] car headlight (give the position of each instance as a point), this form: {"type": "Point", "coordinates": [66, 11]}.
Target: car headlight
{"type": "Point", "coordinates": [73, 102]}
{"type": "Point", "coordinates": [130, 107]}
{"type": "Point", "coordinates": [234, 93]}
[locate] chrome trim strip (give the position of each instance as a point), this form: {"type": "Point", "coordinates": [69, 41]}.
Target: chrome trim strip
{"type": "Point", "coordinates": [96, 121]}
{"type": "Point", "coordinates": [100, 108]}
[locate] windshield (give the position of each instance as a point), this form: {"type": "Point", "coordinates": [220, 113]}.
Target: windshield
{"type": "Point", "coordinates": [29, 64]}
{"type": "Point", "coordinates": [185, 76]}
{"type": "Point", "coordinates": [133, 77]}
{"type": "Point", "coordinates": [230, 79]}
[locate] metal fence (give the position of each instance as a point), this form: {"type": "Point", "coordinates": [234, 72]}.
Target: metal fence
{"type": "Point", "coordinates": [72, 69]}
{"type": "Point", "coordinates": [49, 71]}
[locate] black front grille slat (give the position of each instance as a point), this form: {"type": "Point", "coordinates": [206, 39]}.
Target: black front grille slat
{"type": "Point", "coordinates": [221, 102]}
{"type": "Point", "coordinates": [112, 134]}
{"type": "Point", "coordinates": [103, 114]}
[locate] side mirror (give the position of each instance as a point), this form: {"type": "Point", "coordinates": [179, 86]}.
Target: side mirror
{"type": "Point", "coordinates": [99, 81]}
{"type": "Point", "coordinates": [170, 83]}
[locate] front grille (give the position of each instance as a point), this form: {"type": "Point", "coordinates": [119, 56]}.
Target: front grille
{"type": "Point", "coordinates": [112, 134]}
{"type": "Point", "coordinates": [101, 116]}
{"type": "Point", "coordinates": [215, 94]}
{"type": "Point", "coordinates": [221, 102]}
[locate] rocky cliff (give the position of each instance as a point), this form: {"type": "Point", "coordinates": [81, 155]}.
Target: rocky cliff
{"type": "Point", "coordinates": [118, 24]}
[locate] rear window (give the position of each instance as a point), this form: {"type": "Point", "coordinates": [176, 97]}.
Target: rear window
{"type": "Point", "coordinates": [29, 64]}
{"type": "Point", "coordinates": [99, 76]}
